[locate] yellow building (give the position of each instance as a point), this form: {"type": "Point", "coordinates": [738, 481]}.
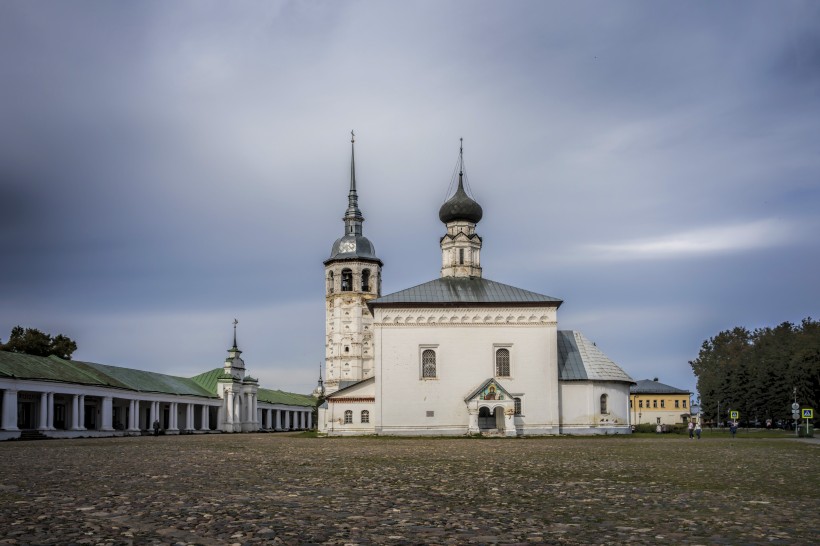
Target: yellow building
{"type": "Point", "coordinates": [650, 401]}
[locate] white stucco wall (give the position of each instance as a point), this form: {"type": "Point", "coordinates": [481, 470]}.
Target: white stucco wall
{"type": "Point", "coordinates": [465, 340]}
{"type": "Point", "coordinates": [581, 407]}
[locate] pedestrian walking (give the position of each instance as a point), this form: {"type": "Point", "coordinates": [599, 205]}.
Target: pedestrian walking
{"type": "Point", "coordinates": [733, 428]}
{"type": "Point", "coordinates": [698, 430]}
{"type": "Point", "coordinates": [156, 427]}
{"type": "Point", "coordinates": [691, 430]}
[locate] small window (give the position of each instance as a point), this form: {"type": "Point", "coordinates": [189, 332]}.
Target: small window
{"type": "Point", "coordinates": [630, 404]}
{"type": "Point", "coordinates": [654, 403]}
{"type": "Point", "coordinates": [461, 256]}
{"type": "Point", "coordinates": [517, 406]}
{"type": "Point", "coordinates": [663, 403]}
{"type": "Point", "coordinates": [366, 280]}
{"type": "Point", "coordinates": [330, 282]}
{"type": "Point", "coordinates": [365, 416]}
{"type": "Point", "coordinates": [677, 404]}
{"type": "Point", "coordinates": [347, 349]}
{"type": "Point", "coordinates": [428, 363]}
{"type": "Point", "coordinates": [640, 403]}
{"type": "Point", "coordinates": [604, 409]}
{"type": "Point", "coordinates": [347, 280]}
{"type": "Point", "coordinates": [348, 417]}
{"type": "Point", "coordinates": [502, 363]}
{"type": "Point", "coordinates": [684, 403]}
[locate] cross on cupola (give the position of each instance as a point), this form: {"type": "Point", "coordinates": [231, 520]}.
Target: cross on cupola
{"type": "Point", "coordinates": [234, 365]}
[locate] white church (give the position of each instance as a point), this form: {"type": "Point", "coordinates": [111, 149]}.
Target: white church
{"type": "Point", "coordinates": [457, 355]}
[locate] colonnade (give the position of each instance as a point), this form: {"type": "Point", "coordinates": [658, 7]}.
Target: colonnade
{"type": "Point", "coordinates": [284, 419]}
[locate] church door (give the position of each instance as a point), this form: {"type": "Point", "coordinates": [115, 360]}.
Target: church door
{"type": "Point", "coordinates": [487, 420]}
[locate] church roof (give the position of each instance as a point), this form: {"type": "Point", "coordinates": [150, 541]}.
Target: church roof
{"type": "Point", "coordinates": [461, 291]}
{"type": "Point", "coordinates": [650, 386]}
{"type": "Point", "coordinates": [580, 360]}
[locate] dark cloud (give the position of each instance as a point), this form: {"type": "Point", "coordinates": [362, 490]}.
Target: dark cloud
{"type": "Point", "coordinates": [166, 167]}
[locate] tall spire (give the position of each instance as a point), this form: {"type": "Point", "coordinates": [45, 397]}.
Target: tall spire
{"type": "Point", "coordinates": [353, 216]}
{"type": "Point", "coordinates": [235, 322]}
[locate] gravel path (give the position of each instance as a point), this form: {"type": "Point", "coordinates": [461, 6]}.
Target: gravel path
{"type": "Point", "coordinates": [287, 489]}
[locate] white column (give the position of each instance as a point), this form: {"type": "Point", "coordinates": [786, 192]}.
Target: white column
{"type": "Point", "coordinates": [206, 425]}
{"type": "Point", "coordinates": [229, 415]}
{"type": "Point", "coordinates": [310, 420]}
{"type": "Point", "coordinates": [43, 421]}
{"type": "Point", "coordinates": [269, 419]}
{"type": "Point", "coordinates": [75, 412]}
{"type": "Point", "coordinates": [287, 419]}
{"type": "Point", "coordinates": [154, 415]}
{"type": "Point", "coordinates": [133, 411]}
{"type": "Point", "coordinates": [9, 410]}
{"type": "Point", "coordinates": [189, 417]}
{"type": "Point", "coordinates": [172, 416]}
{"type": "Point", "coordinates": [81, 412]}
{"type": "Point", "coordinates": [278, 419]}
{"type": "Point", "coordinates": [50, 420]}
{"type": "Point", "coordinates": [249, 403]}
{"type": "Point", "coordinates": [107, 413]}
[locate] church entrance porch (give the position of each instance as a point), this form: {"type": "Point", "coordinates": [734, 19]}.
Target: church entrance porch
{"type": "Point", "coordinates": [491, 410]}
{"type": "Point", "coordinates": [490, 421]}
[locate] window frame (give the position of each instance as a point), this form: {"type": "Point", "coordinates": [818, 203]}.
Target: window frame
{"type": "Point", "coordinates": [364, 417]}
{"type": "Point", "coordinates": [344, 281]}
{"type": "Point", "coordinates": [496, 348]}
{"type": "Point", "coordinates": [436, 369]}
{"type": "Point", "coordinates": [604, 404]}
{"type": "Point", "coordinates": [348, 417]}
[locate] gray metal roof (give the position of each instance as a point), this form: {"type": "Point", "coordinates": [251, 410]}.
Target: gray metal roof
{"type": "Point", "coordinates": [353, 247]}
{"type": "Point", "coordinates": [649, 386]}
{"type": "Point", "coordinates": [580, 360]}
{"type": "Point", "coordinates": [464, 291]}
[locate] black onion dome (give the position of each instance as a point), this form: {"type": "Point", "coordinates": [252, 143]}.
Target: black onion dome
{"type": "Point", "coordinates": [460, 207]}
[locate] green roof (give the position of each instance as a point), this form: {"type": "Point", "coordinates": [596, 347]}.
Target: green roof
{"type": "Point", "coordinates": [22, 366]}
{"type": "Point", "coordinates": [289, 398]}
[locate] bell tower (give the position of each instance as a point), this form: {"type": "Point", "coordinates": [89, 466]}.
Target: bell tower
{"type": "Point", "coordinates": [352, 278]}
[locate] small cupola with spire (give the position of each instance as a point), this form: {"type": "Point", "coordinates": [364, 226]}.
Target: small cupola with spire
{"type": "Point", "coordinates": [234, 365]}
{"type": "Point", "coordinates": [461, 245]}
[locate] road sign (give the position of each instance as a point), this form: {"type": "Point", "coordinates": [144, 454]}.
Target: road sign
{"type": "Point", "coordinates": [808, 413]}
{"type": "Point", "coordinates": [795, 415]}
{"type": "Point", "coordinates": [734, 414]}
{"type": "Point", "coordinates": [795, 406]}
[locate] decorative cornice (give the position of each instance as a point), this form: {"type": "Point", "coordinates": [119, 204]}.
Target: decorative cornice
{"type": "Point", "coordinates": [352, 400]}
{"type": "Point", "coordinates": [505, 316]}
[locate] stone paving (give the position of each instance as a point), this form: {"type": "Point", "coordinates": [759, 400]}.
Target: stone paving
{"type": "Point", "coordinates": [289, 489]}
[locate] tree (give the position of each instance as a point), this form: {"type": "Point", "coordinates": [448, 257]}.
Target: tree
{"type": "Point", "coordinates": [757, 372]}
{"type": "Point", "coordinates": [32, 341]}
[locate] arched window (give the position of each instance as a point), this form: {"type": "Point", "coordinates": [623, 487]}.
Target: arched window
{"type": "Point", "coordinates": [502, 363]}
{"type": "Point", "coordinates": [517, 406]}
{"type": "Point", "coordinates": [428, 363]}
{"type": "Point", "coordinates": [330, 282]}
{"type": "Point", "coordinates": [365, 416]}
{"type": "Point", "coordinates": [348, 417]}
{"type": "Point", "coordinates": [347, 280]}
{"type": "Point", "coordinates": [603, 404]}
{"type": "Point", "coordinates": [366, 280]}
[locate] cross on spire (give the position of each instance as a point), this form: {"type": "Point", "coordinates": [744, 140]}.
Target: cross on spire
{"type": "Point", "coordinates": [235, 322]}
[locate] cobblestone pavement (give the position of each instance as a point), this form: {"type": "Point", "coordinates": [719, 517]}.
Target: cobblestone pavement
{"type": "Point", "coordinates": [284, 489]}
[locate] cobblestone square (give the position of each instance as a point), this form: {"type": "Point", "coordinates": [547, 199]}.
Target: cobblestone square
{"type": "Point", "coordinates": [290, 489]}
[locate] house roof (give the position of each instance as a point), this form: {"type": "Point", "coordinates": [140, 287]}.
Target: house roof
{"type": "Point", "coordinates": [579, 359]}
{"type": "Point", "coordinates": [653, 386]}
{"type": "Point", "coordinates": [460, 291]}
{"type": "Point", "coordinates": [350, 384]}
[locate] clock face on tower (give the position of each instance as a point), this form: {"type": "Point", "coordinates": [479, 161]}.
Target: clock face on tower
{"type": "Point", "coordinates": [348, 246]}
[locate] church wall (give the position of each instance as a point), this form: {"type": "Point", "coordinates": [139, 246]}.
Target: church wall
{"type": "Point", "coordinates": [465, 358]}
{"type": "Point", "coordinates": [581, 407]}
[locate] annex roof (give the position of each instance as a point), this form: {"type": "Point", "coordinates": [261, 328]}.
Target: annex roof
{"type": "Point", "coordinates": [460, 291]}
{"type": "Point", "coordinates": [580, 360]}
{"type": "Point", "coordinates": [653, 386]}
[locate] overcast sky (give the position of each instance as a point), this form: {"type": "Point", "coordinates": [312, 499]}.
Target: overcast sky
{"type": "Point", "coordinates": [166, 167]}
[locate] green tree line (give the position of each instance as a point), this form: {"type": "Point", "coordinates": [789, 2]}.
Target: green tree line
{"type": "Point", "coordinates": [756, 372]}
{"type": "Point", "coordinates": [32, 341]}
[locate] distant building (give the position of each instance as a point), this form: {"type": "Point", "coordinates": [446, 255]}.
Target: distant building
{"type": "Point", "coordinates": [457, 355]}
{"type": "Point", "coordinates": [55, 398]}
{"type": "Point", "coordinates": [653, 402]}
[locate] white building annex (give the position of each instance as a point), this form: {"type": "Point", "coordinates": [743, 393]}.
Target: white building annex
{"type": "Point", "coordinates": [459, 354]}
{"type": "Point", "coordinates": [55, 398]}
